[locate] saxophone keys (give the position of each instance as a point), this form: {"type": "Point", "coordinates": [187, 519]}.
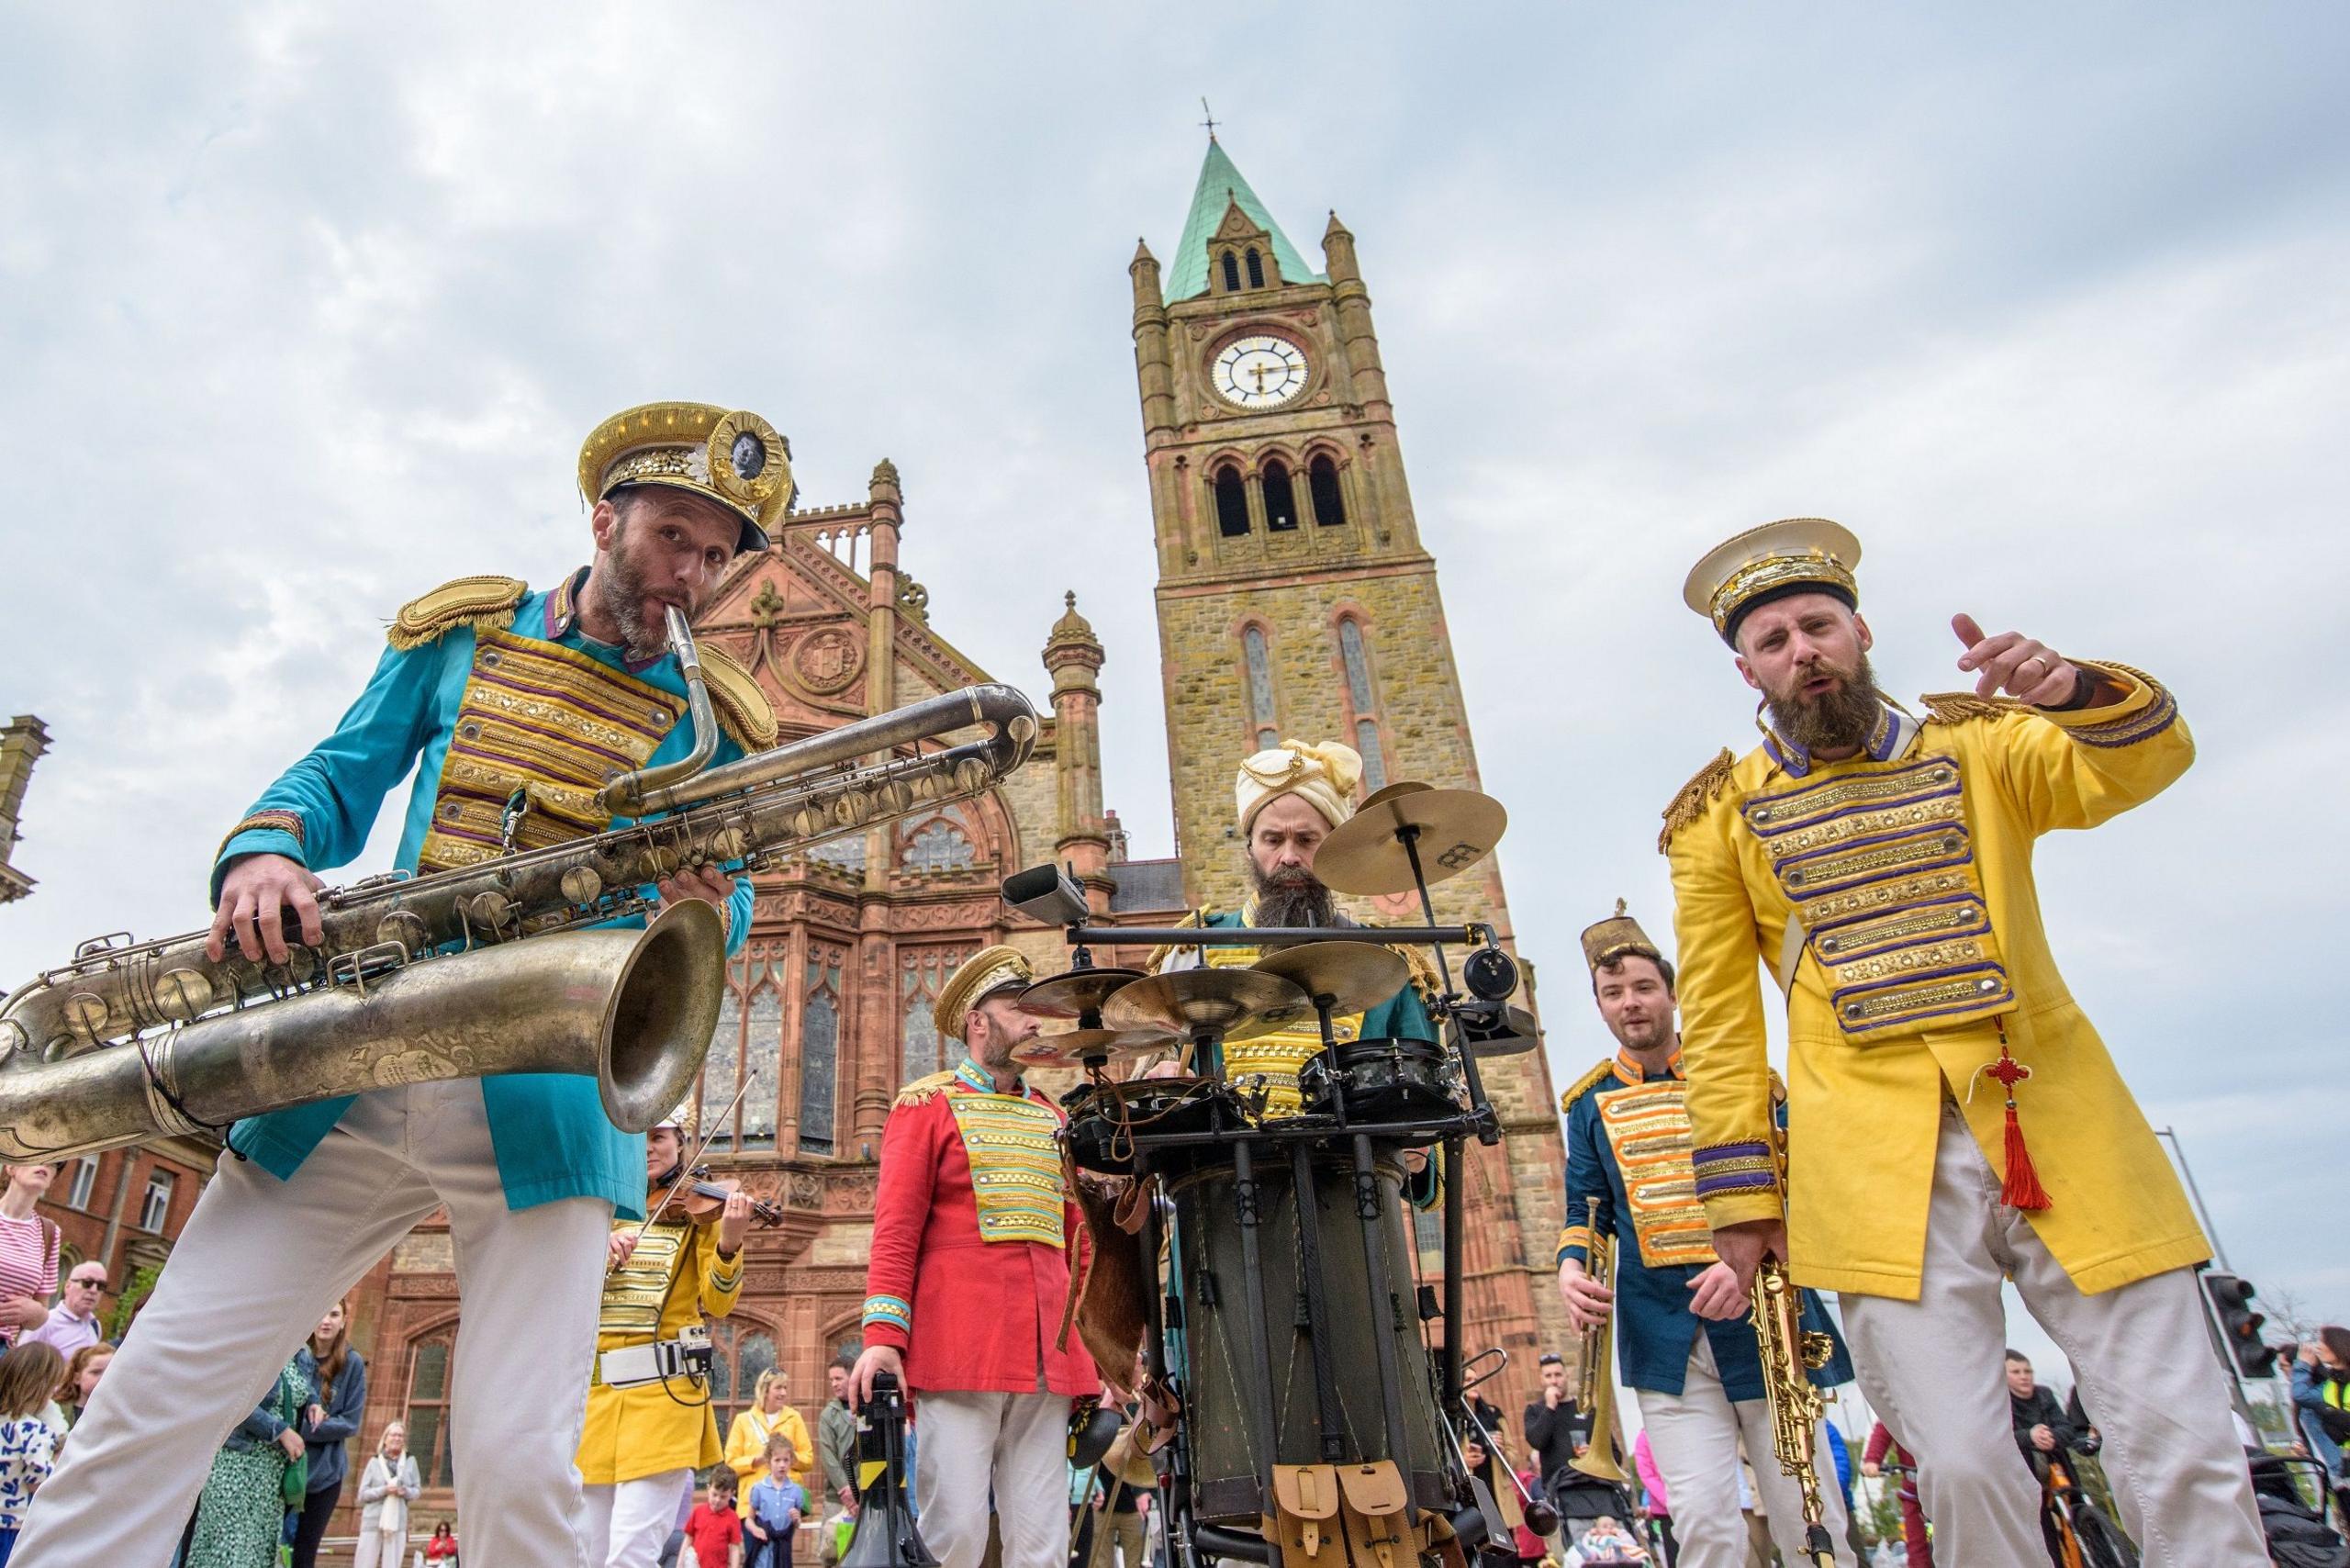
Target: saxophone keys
{"type": "Point", "coordinates": [582, 885]}
{"type": "Point", "coordinates": [184, 995]}
{"type": "Point", "coordinates": [86, 1014]}
{"type": "Point", "coordinates": [728, 843]}
{"type": "Point", "coordinates": [490, 910]}
{"type": "Point", "coordinates": [404, 927]}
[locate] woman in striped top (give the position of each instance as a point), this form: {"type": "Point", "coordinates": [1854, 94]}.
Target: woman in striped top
{"type": "Point", "coordinates": [28, 1252]}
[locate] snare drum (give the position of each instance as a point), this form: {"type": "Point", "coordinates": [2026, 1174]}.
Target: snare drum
{"type": "Point", "coordinates": [1103, 1117]}
{"type": "Point", "coordinates": [1385, 1080]}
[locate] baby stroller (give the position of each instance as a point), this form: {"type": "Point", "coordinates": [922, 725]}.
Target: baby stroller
{"type": "Point", "coordinates": [2297, 1535]}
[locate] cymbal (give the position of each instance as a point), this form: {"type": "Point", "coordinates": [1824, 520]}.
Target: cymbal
{"type": "Point", "coordinates": [1354, 974]}
{"type": "Point", "coordinates": [1076, 993]}
{"type": "Point", "coordinates": [1516, 1031]}
{"type": "Point", "coordinates": [1458, 829]}
{"type": "Point", "coordinates": [1086, 1047]}
{"type": "Point", "coordinates": [1230, 1004]}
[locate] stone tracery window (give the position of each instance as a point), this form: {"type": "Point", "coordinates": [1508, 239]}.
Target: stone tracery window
{"type": "Point", "coordinates": [938, 845]}
{"type": "Point", "coordinates": [427, 1409]}
{"type": "Point", "coordinates": [1362, 701]}
{"type": "Point", "coordinates": [740, 1351]}
{"type": "Point", "coordinates": [1258, 659]}
{"type": "Point", "coordinates": [922, 972]}
{"type": "Point", "coordinates": [819, 1039]}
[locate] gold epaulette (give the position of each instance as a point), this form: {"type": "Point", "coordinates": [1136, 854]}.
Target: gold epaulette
{"type": "Point", "coordinates": [1695, 796]}
{"type": "Point", "coordinates": [1425, 978]}
{"type": "Point", "coordinates": [1586, 1084]}
{"type": "Point", "coordinates": [743, 711]}
{"type": "Point", "coordinates": [1161, 955]}
{"type": "Point", "coordinates": [479, 602]}
{"type": "Point", "coordinates": [1957, 707]}
{"type": "Point", "coordinates": [922, 1090]}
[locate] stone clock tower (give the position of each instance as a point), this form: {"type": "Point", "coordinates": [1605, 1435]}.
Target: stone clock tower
{"type": "Point", "coordinates": [1296, 600]}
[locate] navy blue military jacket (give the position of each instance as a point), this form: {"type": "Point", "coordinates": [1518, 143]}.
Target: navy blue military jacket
{"type": "Point", "coordinates": [1627, 1146]}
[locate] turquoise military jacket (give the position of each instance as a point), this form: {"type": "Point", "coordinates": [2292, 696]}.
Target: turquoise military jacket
{"type": "Point", "coordinates": [552, 1138]}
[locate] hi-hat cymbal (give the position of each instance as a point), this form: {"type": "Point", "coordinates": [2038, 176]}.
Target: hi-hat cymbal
{"type": "Point", "coordinates": [1354, 974]}
{"type": "Point", "coordinates": [1514, 1033]}
{"type": "Point", "coordinates": [1457, 829]}
{"type": "Point", "coordinates": [1087, 1047]}
{"type": "Point", "coordinates": [1229, 1004]}
{"type": "Point", "coordinates": [1076, 993]}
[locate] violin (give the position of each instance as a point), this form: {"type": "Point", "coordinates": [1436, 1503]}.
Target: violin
{"type": "Point", "coordinates": [699, 1200]}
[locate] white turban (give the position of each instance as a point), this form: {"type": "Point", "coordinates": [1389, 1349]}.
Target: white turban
{"type": "Point", "coordinates": [1326, 774]}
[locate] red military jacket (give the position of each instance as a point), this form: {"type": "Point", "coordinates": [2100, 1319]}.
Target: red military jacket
{"type": "Point", "coordinates": [974, 1235]}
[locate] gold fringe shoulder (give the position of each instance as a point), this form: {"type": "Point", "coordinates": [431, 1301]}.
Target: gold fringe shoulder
{"type": "Point", "coordinates": [922, 1090]}
{"type": "Point", "coordinates": [1425, 980]}
{"type": "Point", "coordinates": [1161, 955]}
{"type": "Point", "coordinates": [1693, 797]}
{"type": "Point", "coordinates": [743, 711]}
{"type": "Point", "coordinates": [481, 602]}
{"type": "Point", "coordinates": [1957, 707]}
{"type": "Point", "coordinates": [1586, 1084]}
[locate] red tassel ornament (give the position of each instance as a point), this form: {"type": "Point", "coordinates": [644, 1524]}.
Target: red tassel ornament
{"type": "Point", "coordinates": [2021, 1189]}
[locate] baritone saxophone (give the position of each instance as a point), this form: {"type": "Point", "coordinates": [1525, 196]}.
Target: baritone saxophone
{"type": "Point", "coordinates": [482, 969]}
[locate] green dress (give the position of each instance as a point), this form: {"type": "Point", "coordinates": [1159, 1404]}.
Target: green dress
{"type": "Point", "coordinates": [242, 1511]}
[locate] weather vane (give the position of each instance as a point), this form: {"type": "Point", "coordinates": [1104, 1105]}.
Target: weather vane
{"type": "Point", "coordinates": [1210, 121]}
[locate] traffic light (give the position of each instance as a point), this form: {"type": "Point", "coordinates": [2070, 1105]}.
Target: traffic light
{"type": "Point", "coordinates": [2240, 1325]}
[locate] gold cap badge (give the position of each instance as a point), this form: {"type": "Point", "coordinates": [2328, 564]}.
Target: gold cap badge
{"type": "Point", "coordinates": [1795, 554]}
{"type": "Point", "coordinates": [982, 974]}
{"type": "Point", "coordinates": [736, 459]}
{"type": "Point", "coordinates": [1615, 936]}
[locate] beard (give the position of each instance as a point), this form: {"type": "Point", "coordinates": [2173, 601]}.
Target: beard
{"type": "Point", "coordinates": [1840, 720]}
{"type": "Point", "coordinates": [1646, 1035]}
{"type": "Point", "coordinates": [625, 590]}
{"type": "Point", "coordinates": [1291, 896]}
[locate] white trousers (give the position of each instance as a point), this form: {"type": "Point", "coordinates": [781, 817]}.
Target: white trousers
{"type": "Point", "coordinates": [2148, 1376]}
{"type": "Point", "coordinates": [1015, 1445]}
{"type": "Point", "coordinates": [373, 1548]}
{"type": "Point", "coordinates": [259, 1264]}
{"type": "Point", "coordinates": [1695, 1435]}
{"type": "Point", "coordinates": [629, 1522]}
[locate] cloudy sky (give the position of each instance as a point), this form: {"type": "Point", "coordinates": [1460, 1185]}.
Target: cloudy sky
{"type": "Point", "coordinates": [304, 309]}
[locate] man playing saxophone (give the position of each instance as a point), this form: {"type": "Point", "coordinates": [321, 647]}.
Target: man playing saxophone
{"type": "Point", "coordinates": [514, 707]}
{"type": "Point", "coordinates": [1687, 1348]}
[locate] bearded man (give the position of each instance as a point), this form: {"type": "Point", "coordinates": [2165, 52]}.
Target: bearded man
{"type": "Point", "coordinates": [1953, 1118]}
{"type": "Point", "coordinates": [1288, 798]}
{"type": "Point", "coordinates": [513, 706]}
{"type": "Point", "coordinates": [975, 1239]}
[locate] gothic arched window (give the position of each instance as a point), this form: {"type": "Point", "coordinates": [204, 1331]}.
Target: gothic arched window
{"type": "Point", "coordinates": [1362, 699]}
{"type": "Point", "coordinates": [820, 1045]}
{"type": "Point", "coordinates": [1256, 269]}
{"type": "Point", "coordinates": [1322, 481]}
{"type": "Point", "coordinates": [1231, 503]}
{"type": "Point", "coordinates": [1231, 273]}
{"type": "Point", "coordinates": [739, 1353]}
{"type": "Point", "coordinates": [721, 1069]}
{"type": "Point", "coordinates": [1258, 660]}
{"type": "Point", "coordinates": [748, 1041]}
{"type": "Point", "coordinates": [938, 845]}
{"type": "Point", "coordinates": [1281, 501]}
{"type": "Point", "coordinates": [762, 1063]}
{"type": "Point", "coordinates": [922, 972]}
{"type": "Point", "coordinates": [427, 1410]}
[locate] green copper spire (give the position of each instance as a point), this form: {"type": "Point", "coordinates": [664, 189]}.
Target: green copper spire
{"type": "Point", "coordinates": [1221, 186]}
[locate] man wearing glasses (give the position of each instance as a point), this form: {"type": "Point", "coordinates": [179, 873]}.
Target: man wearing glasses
{"type": "Point", "coordinates": [75, 1323]}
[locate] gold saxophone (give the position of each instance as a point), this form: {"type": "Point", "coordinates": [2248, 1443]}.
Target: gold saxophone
{"type": "Point", "coordinates": [1789, 1351]}
{"type": "Point", "coordinates": [443, 976]}
{"type": "Point", "coordinates": [1595, 1378]}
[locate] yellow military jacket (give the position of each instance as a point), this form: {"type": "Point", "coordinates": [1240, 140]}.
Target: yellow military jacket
{"type": "Point", "coordinates": [1894, 891]}
{"type": "Point", "coordinates": [672, 1279]}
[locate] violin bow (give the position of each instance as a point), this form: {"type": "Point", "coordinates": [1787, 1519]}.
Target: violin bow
{"type": "Point", "coordinates": [686, 1162]}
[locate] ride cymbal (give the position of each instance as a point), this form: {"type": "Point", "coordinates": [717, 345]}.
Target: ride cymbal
{"type": "Point", "coordinates": [1090, 1047]}
{"type": "Point", "coordinates": [1228, 1004]}
{"type": "Point", "coordinates": [1076, 993]}
{"type": "Point", "coordinates": [1457, 828]}
{"type": "Point", "coordinates": [1356, 976]}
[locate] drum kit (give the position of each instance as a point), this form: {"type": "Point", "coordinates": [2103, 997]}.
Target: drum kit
{"type": "Point", "coordinates": [1280, 1311]}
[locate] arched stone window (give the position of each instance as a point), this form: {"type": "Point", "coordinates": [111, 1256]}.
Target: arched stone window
{"type": "Point", "coordinates": [1256, 269]}
{"type": "Point", "coordinates": [748, 1039]}
{"type": "Point", "coordinates": [1258, 659]}
{"type": "Point", "coordinates": [938, 845]}
{"type": "Point", "coordinates": [763, 1059]}
{"type": "Point", "coordinates": [1322, 481]}
{"type": "Point", "coordinates": [1231, 503]}
{"type": "Point", "coordinates": [1231, 273]}
{"type": "Point", "coordinates": [922, 972]}
{"type": "Point", "coordinates": [820, 1045]}
{"type": "Point", "coordinates": [427, 1409]}
{"type": "Point", "coordinates": [1362, 700]}
{"type": "Point", "coordinates": [1280, 498]}
{"type": "Point", "coordinates": [739, 1353]}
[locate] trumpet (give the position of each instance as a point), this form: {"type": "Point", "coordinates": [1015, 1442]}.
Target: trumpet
{"type": "Point", "coordinates": [447, 975]}
{"type": "Point", "coordinates": [1595, 1379]}
{"type": "Point", "coordinates": [1790, 1351]}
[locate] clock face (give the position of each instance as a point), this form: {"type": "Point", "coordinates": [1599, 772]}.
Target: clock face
{"type": "Point", "coordinates": [1258, 372]}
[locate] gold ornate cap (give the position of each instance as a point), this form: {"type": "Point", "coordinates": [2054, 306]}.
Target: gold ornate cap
{"type": "Point", "coordinates": [982, 974]}
{"type": "Point", "coordinates": [1326, 774]}
{"type": "Point", "coordinates": [1615, 936]}
{"type": "Point", "coordinates": [735, 458]}
{"type": "Point", "coordinates": [1793, 555]}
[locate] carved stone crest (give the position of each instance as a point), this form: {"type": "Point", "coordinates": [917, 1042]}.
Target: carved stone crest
{"type": "Point", "coordinates": [827, 659]}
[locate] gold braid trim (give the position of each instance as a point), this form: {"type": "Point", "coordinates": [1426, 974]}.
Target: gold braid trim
{"type": "Point", "coordinates": [1161, 955]}
{"type": "Point", "coordinates": [743, 711]}
{"type": "Point", "coordinates": [921, 1090]}
{"type": "Point", "coordinates": [1586, 1084]}
{"type": "Point", "coordinates": [481, 602]}
{"type": "Point", "coordinates": [1695, 796]}
{"type": "Point", "coordinates": [1957, 707]}
{"type": "Point", "coordinates": [1424, 976]}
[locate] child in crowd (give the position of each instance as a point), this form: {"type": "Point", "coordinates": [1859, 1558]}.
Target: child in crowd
{"type": "Point", "coordinates": [28, 1443]}
{"type": "Point", "coordinates": [777, 1504]}
{"type": "Point", "coordinates": [1606, 1542]}
{"type": "Point", "coordinates": [712, 1533]}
